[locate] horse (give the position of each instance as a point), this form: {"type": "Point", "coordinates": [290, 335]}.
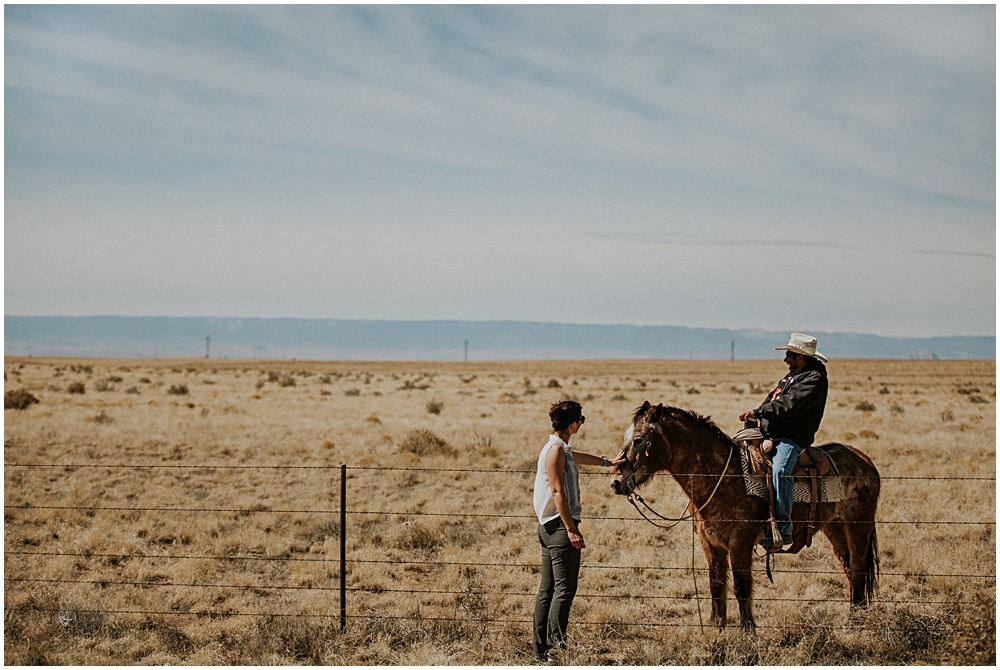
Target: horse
{"type": "Point", "coordinates": [703, 460]}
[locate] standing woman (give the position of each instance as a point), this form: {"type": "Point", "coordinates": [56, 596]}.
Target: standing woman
{"type": "Point", "coordinates": [557, 504]}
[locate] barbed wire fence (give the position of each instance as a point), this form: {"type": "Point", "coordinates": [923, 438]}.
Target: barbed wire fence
{"type": "Point", "coordinates": [349, 609]}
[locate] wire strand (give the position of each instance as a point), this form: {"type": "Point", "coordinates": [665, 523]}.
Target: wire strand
{"type": "Point", "coordinates": [379, 590]}
{"type": "Point", "coordinates": [376, 616]}
{"type": "Point", "coordinates": [254, 510]}
{"type": "Point", "coordinates": [353, 468]}
{"type": "Point", "coordinates": [527, 566]}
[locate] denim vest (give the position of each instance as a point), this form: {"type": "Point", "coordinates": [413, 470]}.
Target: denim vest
{"type": "Point", "coordinates": [545, 505]}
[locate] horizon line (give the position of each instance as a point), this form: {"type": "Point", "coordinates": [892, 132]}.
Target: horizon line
{"type": "Point", "coordinates": [743, 329]}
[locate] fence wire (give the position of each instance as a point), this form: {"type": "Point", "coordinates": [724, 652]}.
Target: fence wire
{"type": "Point", "coordinates": [453, 594]}
{"type": "Point", "coordinates": [420, 618]}
{"type": "Point", "coordinates": [352, 468]}
{"type": "Point", "coordinates": [246, 511]}
{"type": "Point", "coordinates": [524, 566]}
{"type": "Point", "coordinates": [379, 590]}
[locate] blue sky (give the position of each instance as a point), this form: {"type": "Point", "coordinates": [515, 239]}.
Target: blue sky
{"type": "Point", "coordinates": [783, 167]}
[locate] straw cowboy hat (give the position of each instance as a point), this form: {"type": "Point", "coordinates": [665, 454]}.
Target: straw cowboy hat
{"type": "Point", "coordinates": [802, 344]}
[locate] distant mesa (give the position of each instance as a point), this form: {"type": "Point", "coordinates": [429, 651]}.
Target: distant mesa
{"type": "Point", "coordinates": [343, 339]}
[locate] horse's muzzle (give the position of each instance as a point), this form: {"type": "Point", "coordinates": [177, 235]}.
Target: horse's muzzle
{"type": "Point", "coordinates": [623, 487]}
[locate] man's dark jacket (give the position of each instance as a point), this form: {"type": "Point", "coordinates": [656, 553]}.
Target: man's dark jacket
{"type": "Point", "coordinates": [795, 407]}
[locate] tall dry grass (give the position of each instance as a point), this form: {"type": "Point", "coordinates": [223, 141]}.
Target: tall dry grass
{"type": "Point", "coordinates": [202, 527]}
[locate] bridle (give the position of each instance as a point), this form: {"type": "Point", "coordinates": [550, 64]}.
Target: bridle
{"type": "Point", "coordinates": [633, 496]}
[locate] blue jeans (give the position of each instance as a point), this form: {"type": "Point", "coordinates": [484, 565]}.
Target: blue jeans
{"type": "Point", "coordinates": [560, 574]}
{"type": "Point", "coordinates": [785, 456]}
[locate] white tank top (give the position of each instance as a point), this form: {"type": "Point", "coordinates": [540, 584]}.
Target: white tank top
{"type": "Point", "coordinates": [545, 505]}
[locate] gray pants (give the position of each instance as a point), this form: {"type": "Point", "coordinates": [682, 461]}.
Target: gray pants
{"type": "Point", "coordinates": [560, 573]}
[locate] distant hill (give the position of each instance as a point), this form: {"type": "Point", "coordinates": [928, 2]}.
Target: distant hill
{"type": "Point", "coordinates": [333, 339]}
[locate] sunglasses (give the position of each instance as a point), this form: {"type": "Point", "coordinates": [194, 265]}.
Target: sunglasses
{"type": "Point", "coordinates": [582, 419]}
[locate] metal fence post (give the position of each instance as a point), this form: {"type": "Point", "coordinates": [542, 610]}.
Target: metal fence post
{"type": "Point", "coordinates": [343, 548]}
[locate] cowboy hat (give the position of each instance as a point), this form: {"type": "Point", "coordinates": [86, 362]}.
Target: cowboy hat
{"type": "Point", "coordinates": [802, 344]}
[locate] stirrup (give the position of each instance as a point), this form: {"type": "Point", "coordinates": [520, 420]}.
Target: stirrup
{"type": "Point", "coordinates": [769, 544]}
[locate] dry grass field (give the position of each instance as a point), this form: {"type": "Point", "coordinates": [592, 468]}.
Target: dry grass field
{"type": "Point", "coordinates": [188, 512]}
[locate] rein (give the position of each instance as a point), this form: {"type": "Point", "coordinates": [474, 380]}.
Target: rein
{"type": "Point", "coordinates": [633, 497]}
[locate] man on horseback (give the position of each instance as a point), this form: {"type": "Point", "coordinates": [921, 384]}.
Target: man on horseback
{"type": "Point", "coordinates": [790, 417]}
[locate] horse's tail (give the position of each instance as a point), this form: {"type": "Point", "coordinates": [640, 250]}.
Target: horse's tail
{"type": "Point", "coordinates": [870, 572]}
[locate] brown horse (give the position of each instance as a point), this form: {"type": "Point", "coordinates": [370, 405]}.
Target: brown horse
{"type": "Point", "coordinates": [702, 459]}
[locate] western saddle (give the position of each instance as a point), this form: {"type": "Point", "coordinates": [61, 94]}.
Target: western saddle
{"type": "Point", "coordinates": [812, 464]}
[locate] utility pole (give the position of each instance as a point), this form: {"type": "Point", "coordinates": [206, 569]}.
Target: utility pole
{"type": "Point", "coordinates": [732, 350]}
{"type": "Point", "coordinates": [208, 345]}
{"type": "Point", "coordinates": [466, 351]}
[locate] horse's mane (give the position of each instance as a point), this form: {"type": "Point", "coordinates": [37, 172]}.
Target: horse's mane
{"type": "Point", "coordinates": [682, 415]}
{"type": "Point", "coordinates": [639, 411]}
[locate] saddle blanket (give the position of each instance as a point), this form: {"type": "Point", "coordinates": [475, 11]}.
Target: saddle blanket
{"type": "Point", "coordinates": [829, 485]}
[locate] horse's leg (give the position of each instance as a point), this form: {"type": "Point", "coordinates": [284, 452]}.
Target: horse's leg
{"type": "Point", "coordinates": [837, 534]}
{"type": "Point", "coordinates": [855, 546]}
{"type": "Point", "coordinates": [741, 556]}
{"type": "Point", "coordinates": [718, 567]}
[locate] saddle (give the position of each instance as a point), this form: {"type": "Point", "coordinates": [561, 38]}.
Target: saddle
{"type": "Point", "coordinates": [816, 481]}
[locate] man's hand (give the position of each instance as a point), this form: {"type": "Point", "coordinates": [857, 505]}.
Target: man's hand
{"type": "Point", "coordinates": [748, 416]}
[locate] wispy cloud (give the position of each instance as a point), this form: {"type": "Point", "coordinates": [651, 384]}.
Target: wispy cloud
{"type": "Point", "coordinates": [859, 130]}
{"type": "Point", "coordinates": [695, 239]}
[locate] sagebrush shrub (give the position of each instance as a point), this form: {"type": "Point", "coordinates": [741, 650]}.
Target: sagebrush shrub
{"type": "Point", "coordinates": [418, 537]}
{"type": "Point", "coordinates": [18, 399]}
{"type": "Point", "coordinates": [423, 442]}
{"type": "Point", "coordinates": [103, 418]}
{"type": "Point", "coordinates": [81, 621]}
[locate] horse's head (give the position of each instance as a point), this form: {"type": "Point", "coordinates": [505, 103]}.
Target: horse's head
{"type": "Point", "coordinates": [645, 448]}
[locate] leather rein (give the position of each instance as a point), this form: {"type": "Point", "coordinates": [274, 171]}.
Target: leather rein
{"type": "Point", "coordinates": [633, 496]}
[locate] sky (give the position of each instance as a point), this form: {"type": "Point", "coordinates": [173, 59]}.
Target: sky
{"type": "Point", "coordinates": [826, 168]}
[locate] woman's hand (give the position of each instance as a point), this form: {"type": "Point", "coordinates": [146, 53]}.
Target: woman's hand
{"type": "Point", "coordinates": [576, 539]}
{"type": "Point", "coordinates": [618, 461]}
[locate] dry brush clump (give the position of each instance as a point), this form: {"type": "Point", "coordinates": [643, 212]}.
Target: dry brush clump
{"type": "Point", "coordinates": [423, 442]}
{"type": "Point", "coordinates": [19, 399]}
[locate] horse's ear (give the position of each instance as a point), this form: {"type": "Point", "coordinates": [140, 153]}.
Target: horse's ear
{"type": "Point", "coordinates": [645, 407]}
{"type": "Point", "coordinates": [654, 415]}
